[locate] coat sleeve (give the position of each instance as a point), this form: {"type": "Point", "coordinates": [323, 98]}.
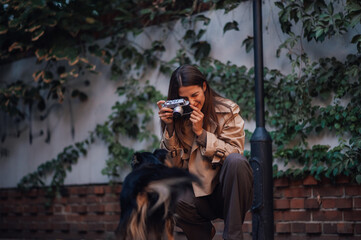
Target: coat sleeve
{"type": "Point", "coordinates": [175, 150]}
{"type": "Point", "coordinates": [230, 138]}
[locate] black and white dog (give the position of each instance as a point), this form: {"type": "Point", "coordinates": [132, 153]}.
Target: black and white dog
{"type": "Point", "coordinates": [149, 196]}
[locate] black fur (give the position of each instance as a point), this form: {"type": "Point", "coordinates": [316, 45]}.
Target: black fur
{"type": "Point", "coordinates": [149, 177]}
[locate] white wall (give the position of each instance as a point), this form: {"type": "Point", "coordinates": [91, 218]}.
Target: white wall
{"type": "Point", "coordinates": [24, 158]}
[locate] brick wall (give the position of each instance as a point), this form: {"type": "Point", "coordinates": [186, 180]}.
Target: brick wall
{"type": "Point", "coordinates": [304, 209]}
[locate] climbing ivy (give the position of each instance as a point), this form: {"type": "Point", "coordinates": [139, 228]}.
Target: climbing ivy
{"type": "Point", "coordinates": [47, 30]}
{"type": "Point", "coordinates": [130, 118]}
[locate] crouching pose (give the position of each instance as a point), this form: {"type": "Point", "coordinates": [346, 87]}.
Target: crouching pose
{"type": "Point", "coordinates": [204, 133]}
{"type": "Point", "coordinates": [149, 196]}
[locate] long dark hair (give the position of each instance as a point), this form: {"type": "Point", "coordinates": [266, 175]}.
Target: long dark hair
{"type": "Point", "coordinates": [188, 75]}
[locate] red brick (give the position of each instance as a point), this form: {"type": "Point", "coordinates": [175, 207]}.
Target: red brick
{"type": "Point", "coordinates": [337, 203]}
{"type": "Point", "coordinates": [32, 226]}
{"type": "Point", "coordinates": [247, 228]}
{"type": "Point", "coordinates": [345, 228]}
{"type": "Point", "coordinates": [31, 209]}
{"type": "Point", "coordinates": [58, 218]}
{"type": "Point", "coordinates": [79, 209]}
{"type": "Point", "coordinates": [342, 179]}
{"type": "Point", "coordinates": [115, 218]}
{"type": "Point", "coordinates": [298, 227]}
{"type": "Point", "coordinates": [352, 215]}
{"type": "Point", "coordinates": [281, 182]}
{"type": "Point", "coordinates": [46, 210]}
{"type": "Point", "coordinates": [117, 189]}
{"type": "Point", "coordinates": [61, 200]}
{"type": "Point", "coordinates": [99, 190]}
{"type": "Point", "coordinates": [58, 209]}
{"type": "Point", "coordinates": [113, 189]}
{"type": "Point", "coordinates": [283, 227]}
{"type": "Point", "coordinates": [98, 227]}
{"type": "Point", "coordinates": [16, 194]}
{"type": "Point", "coordinates": [297, 203]}
{"type": "Point", "coordinates": [310, 181]}
{"type": "Point", "coordinates": [81, 191]}
{"type": "Point", "coordinates": [358, 228]}
{"type": "Point", "coordinates": [313, 228]}
{"type": "Point", "coordinates": [218, 225]}
{"type": "Point", "coordinates": [112, 207]}
{"type": "Point", "coordinates": [96, 208]}
{"type": "Point", "coordinates": [4, 209]}
{"type": "Point", "coordinates": [33, 193]}
{"type": "Point", "coordinates": [325, 181]}
{"type": "Point", "coordinates": [45, 226]}
{"type": "Point", "coordinates": [353, 190]}
{"type": "Point", "coordinates": [110, 227]}
{"type": "Point", "coordinates": [357, 202]}
{"type": "Point", "coordinates": [248, 216]}
{"type": "Point", "coordinates": [75, 218]}
{"type": "Point", "coordinates": [330, 228]}
{"type": "Point", "coordinates": [327, 216]}
{"type": "Point", "coordinates": [281, 204]}
{"type": "Point", "coordinates": [312, 203]}
{"type": "Point", "coordinates": [76, 199]}
{"type": "Point", "coordinates": [297, 192]}
{"type": "Point", "coordinates": [61, 226]}
{"type": "Point", "coordinates": [292, 216]}
{"type": "Point", "coordinates": [3, 195]}
{"type": "Point", "coordinates": [329, 191]}
{"type": "Point", "coordinates": [94, 199]}
{"type": "Point", "coordinates": [80, 227]}
{"type": "Point", "coordinates": [110, 199]}
{"type": "Point", "coordinates": [17, 209]}
{"type": "Point", "coordinates": [296, 183]}
{"type": "Point", "coordinates": [277, 193]}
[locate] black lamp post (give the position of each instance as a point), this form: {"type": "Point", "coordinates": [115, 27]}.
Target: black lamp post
{"type": "Point", "coordinates": [261, 145]}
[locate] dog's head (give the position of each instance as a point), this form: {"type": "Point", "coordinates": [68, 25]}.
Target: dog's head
{"type": "Point", "coordinates": [141, 159]}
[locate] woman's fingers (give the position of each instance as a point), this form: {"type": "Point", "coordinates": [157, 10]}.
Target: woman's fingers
{"type": "Point", "coordinates": [160, 103]}
{"type": "Point", "coordinates": [165, 114]}
{"type": "Point", "coordinates": [165, 110]}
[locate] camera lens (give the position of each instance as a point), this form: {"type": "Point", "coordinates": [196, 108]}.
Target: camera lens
{"type": "Point", "coordinates": [177, 112]}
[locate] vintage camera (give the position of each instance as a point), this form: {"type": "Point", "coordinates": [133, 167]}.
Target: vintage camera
{"type": "Point", "coordinates": [181, 108]}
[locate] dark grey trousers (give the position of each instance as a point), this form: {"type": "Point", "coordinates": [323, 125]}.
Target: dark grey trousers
{"type": "Point", "coordinates": [230, 200]}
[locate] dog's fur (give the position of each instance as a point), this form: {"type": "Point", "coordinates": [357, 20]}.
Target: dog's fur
{"type": "Point", "coordinates": [149, 197]}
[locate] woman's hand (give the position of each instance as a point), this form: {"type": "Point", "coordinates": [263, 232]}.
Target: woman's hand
{"type": "Point", "coordinates": [166, 115]}
{"type": "Point", "coordinates": [197, 120]}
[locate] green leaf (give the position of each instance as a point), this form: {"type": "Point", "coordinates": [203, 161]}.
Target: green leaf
{"type": "Point", "coordinates": [358, 178]}
{"type": "Point", "coordinates": [203, 18]}
{"type": "Point", "coordinates": [335, 171]}
{"type": "Point", "coordinates": [249, 42]}
{"type": "Point", "coordinates": [230, 26]}
{"type": "Point", "coordinates": [37, 34]}
{"type": "Point", "coordinates": [202, 49]}
{"type": "Point", "coordinates": [319, 32]}
{"type": "Point", "coordinates": [279, 5]}
{"type": "Point", "coordinates": [356, 38]}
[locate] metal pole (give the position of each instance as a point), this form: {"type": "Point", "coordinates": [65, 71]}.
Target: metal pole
{"type": "Point", "coordinates": [261, 145]}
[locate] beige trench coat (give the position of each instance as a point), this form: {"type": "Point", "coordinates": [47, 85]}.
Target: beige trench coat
{"type": "Point", "coordinates": [223, 138]}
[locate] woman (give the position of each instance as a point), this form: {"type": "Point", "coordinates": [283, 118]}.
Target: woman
{"type": "Point", "coordinates": [209, 143]}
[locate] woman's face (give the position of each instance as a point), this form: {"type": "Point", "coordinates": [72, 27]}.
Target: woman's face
{"type": "Point", "coordinates": [194, 94]}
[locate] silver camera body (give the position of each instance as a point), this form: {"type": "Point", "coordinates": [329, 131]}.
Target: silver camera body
{"type": "Point", "coordinates": [181, 107]}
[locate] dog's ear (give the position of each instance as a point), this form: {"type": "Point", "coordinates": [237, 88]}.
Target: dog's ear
{"type": "Point", "coordinates": [135, 161]}
{"type": "Point", "coordinates": [161, 154]}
